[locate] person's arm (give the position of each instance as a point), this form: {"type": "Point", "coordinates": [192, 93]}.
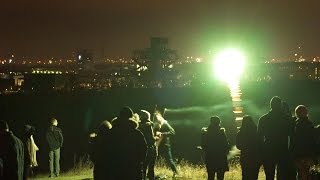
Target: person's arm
{"type": "Point", "coordinates": [167, 129]}
{"type": "Point", "coordinates": [239, 142]}
{"type": "Point", "coordinates": [261, 132]}
{"type": "Point", "coordinates": [61, 138]}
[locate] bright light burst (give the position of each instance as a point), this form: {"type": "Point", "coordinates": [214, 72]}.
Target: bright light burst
{"type": "Point", "coordinates": [229, 65]}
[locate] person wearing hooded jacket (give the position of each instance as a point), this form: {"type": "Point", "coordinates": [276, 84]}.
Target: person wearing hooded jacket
{"type": "Point", "coordinates": [55, 141]}
{"type": "Point", "coordinates": [216, 148]}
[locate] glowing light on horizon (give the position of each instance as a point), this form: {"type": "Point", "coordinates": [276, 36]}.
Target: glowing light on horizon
{"type": "Point", "coordinates": [228, 67]}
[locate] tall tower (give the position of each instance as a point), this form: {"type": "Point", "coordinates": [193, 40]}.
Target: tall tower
{"type": "Point", "coordinates": [157, 58]}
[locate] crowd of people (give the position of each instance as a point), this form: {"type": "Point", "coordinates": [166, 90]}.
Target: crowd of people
{"type": "Point", "coordinates": [127, 146]}
{"type": "Point", "coordinates": [18, 156]}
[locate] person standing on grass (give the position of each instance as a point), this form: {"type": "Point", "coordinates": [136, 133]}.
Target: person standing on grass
{"type": "Point", "coordinates": [100, 149]}
{"type": "Point", "coordinates": [305, 143]}
{"type": "Point", "coordinates": [145, 127]}
{"type": "Point", "coordinates": [216, 148]}
{"type": "Point", "coordinates": [163, 133]}
{"type": "Point", "coordinates": [30, 151]}
{"type": "Point", "coordinates": [55, 140]}
{"type": "Point", "coordinates": [247, 142]}
{"type": "Point", "coordinates": [274, 132]}
{"type": "Point", "coordinates": [127, 148]}
{"type": "Point", "coordinates": [11, 154]}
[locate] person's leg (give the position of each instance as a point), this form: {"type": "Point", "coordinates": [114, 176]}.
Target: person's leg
{"type": "Point", "coordinates": [220, 175]}
{"type": "Point", "coordinates": [245, 171]}
{"type": "Point", "coordinates": [51, 159]}
{"type": "Point", "coordinates": [269, 168]}
{"type": "Point", "coordinates": [153, 156]}
{"type": "Point", "coordinates": [169, 159]}
{"type": "Point", "coordinates": [57, 161]}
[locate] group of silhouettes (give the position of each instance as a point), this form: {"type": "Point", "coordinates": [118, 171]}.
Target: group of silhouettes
{"type": "Point", "coordinates": [127, 147]}
{"type": "Point", "coordinates": [285, 145]}
{"type": "Point", "coordinates": [18, 154]}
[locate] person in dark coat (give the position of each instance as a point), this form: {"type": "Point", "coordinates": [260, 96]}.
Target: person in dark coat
{"type": "Point", "coordinates": [55, 141]}
{"type": "Point", "coordinates": [274, 132]}
{"type": "Point", "coordinates": [11, 153]}
{"type": "Point", "coordinates": [247, 142]}
{"type": "Point", "coordinates": [146, 127]}
{"type": "Point", "coordinates": [292, 172]}
{"type": "Point", "coordinates": [216, 148]}
{"type": "Point", "coordinates": [305, 143]}
{"type": "Point", "coordinates": [100, 148]}
{"type": "Point", "coordinates": [163, 133]}
{"type": "Point", "coordinates": [127, 149]}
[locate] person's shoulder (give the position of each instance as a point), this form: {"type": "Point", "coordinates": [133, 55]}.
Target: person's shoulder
{"type": "Point", "coordinates": [264, 117]}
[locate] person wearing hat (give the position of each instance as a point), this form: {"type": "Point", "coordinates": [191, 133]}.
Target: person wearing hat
{"type": "Point", "coordinates": [11, 154]}
{"type": "Point", "coordinates": [216, 148]}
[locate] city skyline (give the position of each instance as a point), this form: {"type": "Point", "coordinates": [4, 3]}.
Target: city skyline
{"type": "Point", "coordinates": [116, 28]}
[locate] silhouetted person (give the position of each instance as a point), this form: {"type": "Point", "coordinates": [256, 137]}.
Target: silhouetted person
{"type": "Point", "coordinates": [55, 140]}
{"type": "Point", "coordinates": [100, 151]}
{"type": "Point", "coordinates": [146, 127]}
{"type": "Point", "coordinates": [163, 132]}
{"type": "Point", "coordinates": [127, 148]}
{"type": "Point", "coordinates": [247, 142]}
{"type": "Point", "coordinates": [292, 172]}
{"type": "Point", "coordinates": [274, 131]}
{"type": "Point", "coordinates": [11, 153]}
{"type": "Point", "coordinates": [216, 148]}
{"type": "Point", "coordinates": [305, 143]}
{"type": "Point", "coordinates": [30, 152]}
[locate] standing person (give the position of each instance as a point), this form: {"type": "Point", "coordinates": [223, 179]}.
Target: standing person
{"type": "Point", "coordinates": [216, 148]}
{"type": "Point", "coordinates": [292, 172]}
{"type": "Point", "coordinates": [145, 127]}
{"type": "Point", "coordinates": [274, 132]}
{"type": "Point", "coordinates": [30, 151]}
{"type": "Point", "coordinates": [247, 142]}
{"type": "Point", "coordinates": [127, 148]}
{"type": "Point", "coordinates": [305, 143]}
{"type": "Point", "coordinates": [100, 148]}
{"type": "Point", "coordinates": [55, 140]}
{"type": "Point", "coordinates": [11, 153]}
{"type": "Point", "coordinates": [163, 132]}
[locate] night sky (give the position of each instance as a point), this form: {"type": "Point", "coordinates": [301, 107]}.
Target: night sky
{"type": "Point", "coordinates": [272, 28]}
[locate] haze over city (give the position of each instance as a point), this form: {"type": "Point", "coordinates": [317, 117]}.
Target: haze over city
{"type": "Point", "coordinates": [57, 28]}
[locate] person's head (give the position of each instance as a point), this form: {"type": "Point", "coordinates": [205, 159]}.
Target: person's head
{"type": "Point", "coordinates": [275, 103]}
{"type": "Point", "coordinates": [4, 126]}
{"type": "Point", "coordinates": [28, 129]}
{"type": "Point", "coordinates": [126, 113]}
{"type": "Point", "coordinates": [215, 121]}
{"type": "Point", "coordinates": [144, 116]}
{"type": "Point", "coordinates": [158, 117]}
{"type": "Point", "coordinates": [53, 122]}
{"type": "Point", "coordinates": [104, 127]}
{"type": "Point", "coordinates": [248, 123]}
{"type": "Point", "coordinates": [301, 111]}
